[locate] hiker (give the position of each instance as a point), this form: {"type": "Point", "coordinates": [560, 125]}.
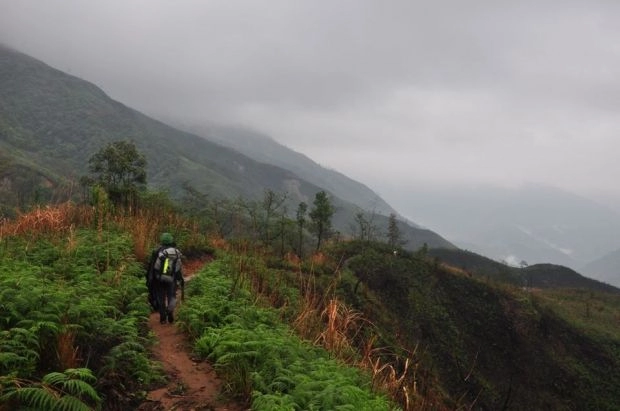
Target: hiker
{"type": "Point", "coordinates": [166, 276]}
{"type": "Point", "coordinates": [150, 284]}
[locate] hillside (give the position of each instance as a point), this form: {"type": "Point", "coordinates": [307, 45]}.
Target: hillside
{"type": "Point", "coordinates": [491, 345]}
{"type": "Point", "coordinates": [547, 276]}
{"type": "Point", "coordinates": [51, 123]}
{"type": "Point", "coordinates": [266, 150]}
{"type": "Point", "coordinates": [358, 327]}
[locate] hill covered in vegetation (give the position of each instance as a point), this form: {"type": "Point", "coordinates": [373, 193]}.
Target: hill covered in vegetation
{"type": "Point", "coordinates": [534, 276]}
{"type": "Point", "coordinates": [355, 325]}
{"type": "Point", "coordinates": [51, 123]}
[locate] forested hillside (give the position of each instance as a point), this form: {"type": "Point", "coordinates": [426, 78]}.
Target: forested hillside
{"type": "Point", "coordinates": [51, 123]}
{"type": "Point", "coordinates": [266, 150]}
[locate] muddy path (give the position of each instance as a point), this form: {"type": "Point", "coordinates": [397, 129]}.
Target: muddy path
{"type": "Point", "coordinates": [192, 383]}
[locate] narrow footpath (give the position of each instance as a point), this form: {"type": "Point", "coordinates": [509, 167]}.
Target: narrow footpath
{"type": "Point", "coordinates": [192, 383]}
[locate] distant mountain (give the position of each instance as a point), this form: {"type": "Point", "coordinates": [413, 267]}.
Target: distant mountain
{"type": "Point", "coordinates": [51, 123]}
{"type": "Point", "coordinates": [534, 224]}
{"type": "Point", "coordinates": [606, 268]}
{"type": "Point", "coordinates": [533, 276]}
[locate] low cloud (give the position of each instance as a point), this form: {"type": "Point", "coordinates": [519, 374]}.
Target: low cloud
{"type": "Point", "coordinates": [386, 92]}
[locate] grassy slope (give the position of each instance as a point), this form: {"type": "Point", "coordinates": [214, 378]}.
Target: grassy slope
{"type": "Point", "coordinates": [491, 344]}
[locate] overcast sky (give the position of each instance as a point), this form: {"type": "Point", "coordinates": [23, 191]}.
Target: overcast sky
{"type": "Point", "coordinates": [387, 92]}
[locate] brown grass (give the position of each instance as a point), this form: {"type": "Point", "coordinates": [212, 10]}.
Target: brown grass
{"type": "Point", "coordinates": [220, 243]}
{"type": "Point", "coordinates": [341, 328]}
{"type": "Point", "coordinates": [348, 335]}
{"type": "Point", "coordinates": [58, 220]}
{"type": "Point", "coordinates": [67, 352]}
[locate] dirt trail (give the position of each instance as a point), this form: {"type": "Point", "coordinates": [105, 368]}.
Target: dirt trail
{"type": "Point", "coordinates": [192, 383]}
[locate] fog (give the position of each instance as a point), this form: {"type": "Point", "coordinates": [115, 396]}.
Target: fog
{"type": "Point", "coordinates": [393, 93]}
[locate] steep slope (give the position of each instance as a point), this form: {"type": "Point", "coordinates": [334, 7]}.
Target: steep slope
{"type": "Point", "coordinates": [266, 150]}
{"type": "Point", "coordinates": [51, 123]}
{"type": "Point", "coordinates": [547, 276]}
{"type": "Point", "coordinates": [489, 345]}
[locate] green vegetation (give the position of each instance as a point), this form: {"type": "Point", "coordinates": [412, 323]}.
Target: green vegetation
{"type": "Point", "coordinates": [350, 327]}
{"type": "Point", "coordinates": [321, 216]}
{"type": "Point", "coordinates": [73, 321]}
{"type": "Point", "coordinates": [489, 343]}
{"type": "Point", "coordinates": [535, 276]}
{"type": "Point", "coordinates": [260, 357]}
{"type": "Point", "coordinates": [51, 123]}
{"type": "Point", "coordinates": [121, 171]}
{"type": "Point", "coordinates": [358, 324]}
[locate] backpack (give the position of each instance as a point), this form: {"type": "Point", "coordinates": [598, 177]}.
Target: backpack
{"type": "Point", "coordinates": [167, 266]}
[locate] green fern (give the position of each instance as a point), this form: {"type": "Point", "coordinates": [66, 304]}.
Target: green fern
{"type": "Point", "coordinates": [39, 288]}
{"type": "Point", "coordinates": [256, 354]}
{"type": "Point", "coordinates": [69, 391]}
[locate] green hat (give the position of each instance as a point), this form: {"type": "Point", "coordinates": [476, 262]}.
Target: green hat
{"type": "Point", "coordinates": [166, 239]}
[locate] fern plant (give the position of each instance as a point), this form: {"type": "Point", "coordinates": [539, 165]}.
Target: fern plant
{"type": "Point", "coordinates": [65, 306]}
{"type": "Point", "coordinates": [70, 390]}
{"type": "Point", "coordinates": [261, 357]}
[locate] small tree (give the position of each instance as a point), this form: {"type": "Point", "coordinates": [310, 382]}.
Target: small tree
{"type": "Point", "coordinates": [365, 228]}
{"type": "Point", "coordinates": [121, 171]}
{"type": "Point", "coordinates": [394, 235]}
{"type": "Point", "coordinates": [272, 204]}
{"type": "Point", "coordinates": [302, 208]}
{"type": "Point", "coordinates": [321, 216]}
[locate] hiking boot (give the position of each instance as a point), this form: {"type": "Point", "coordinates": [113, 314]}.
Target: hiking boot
{"type": "Point", "coordinates": [162, 319]}
{"type": "Point", "coordinates": [170, 317]}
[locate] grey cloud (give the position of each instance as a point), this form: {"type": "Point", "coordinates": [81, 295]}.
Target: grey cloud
{"type": "Point", "coordinates": [512, 87]}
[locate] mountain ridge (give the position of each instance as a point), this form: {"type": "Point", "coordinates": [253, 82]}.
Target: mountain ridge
{"type": "Point", "coordinates": [265, 149]}
{"type": "Point", "coordinates": [531, 223]}
{"type": "Point", "coordinates": [52, 122]}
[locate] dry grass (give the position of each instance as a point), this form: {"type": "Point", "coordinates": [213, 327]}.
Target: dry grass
{"type": "Point", "coordinates": [342, 326]}
{"type": "Point", "coordinates": [454, 270]}
{"type": "Point", "coordinates": [66, 351]}
{"type": "Point", "coordinates": [341, 330]}
{"type": "Point", "coordinates": [347, 334]}
{"type": "Point", "coordinates": [56, 220]}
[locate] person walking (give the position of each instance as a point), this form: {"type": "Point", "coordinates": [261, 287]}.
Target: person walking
{"type": "Point", "coordinates": [167, 276]}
